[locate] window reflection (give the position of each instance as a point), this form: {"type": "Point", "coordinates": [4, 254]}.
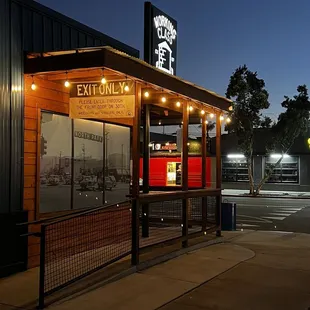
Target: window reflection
{"type": "Point", "coordinates": [55, 166]}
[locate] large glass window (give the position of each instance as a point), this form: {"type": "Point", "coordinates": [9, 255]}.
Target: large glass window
{"type": "Point", "coordinates": [285, 172]}
{"type": "Point", "coordinates": [96, 170]}
{"type": "Point", "coordinates": [234, 170]}
{"type": "Point", "coordinates": [55, 167]}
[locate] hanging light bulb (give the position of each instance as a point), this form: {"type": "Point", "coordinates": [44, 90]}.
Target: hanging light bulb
{"type": "Point", "coordinates": [163, 99]}
{"type": "Point", "coordinates": [159, 123]}
{"type": "Point", "coordinates": [126, 88]}
{"type": "Point", "coordinates": [33, 85]}
{"type": "Point", "coordinates": [230, 108]}
{"type": "Point", "coordinates": [191, 108]}
{"type": "Point", "coordinates": [221, 118]}
{"type": "Point", "coordinates": [206, 122]}
{"type": "Point", "coordinates": [202, 112]}
{"type": "Point", "coordinates": [211, 115]}
{"type": "Point", "coordinates": [178, 104]}
{"type": "Point", "coordinates": [228, 120]}
{"type": "Point", "coordinates": [146, 94]}
{"type": "Point", "coordinates": [103, 80]}
{"type": "Point", "coordinates": [67, 83]}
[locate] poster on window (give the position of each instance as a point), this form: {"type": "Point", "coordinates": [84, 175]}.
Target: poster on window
{"type": "Point", "coordinates": [94, 100]}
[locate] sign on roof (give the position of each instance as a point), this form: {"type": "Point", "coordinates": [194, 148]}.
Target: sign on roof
{"type": "Point", "coordinates": [160, 39]}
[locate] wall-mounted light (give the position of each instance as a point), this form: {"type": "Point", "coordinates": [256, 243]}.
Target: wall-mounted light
{"type": "Point", "coordinates": [33, 85]}
{"type": "Point", "coordinates": [178, 104]}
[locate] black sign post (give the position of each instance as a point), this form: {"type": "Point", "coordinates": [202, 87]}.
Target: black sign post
{"type": "Point", "coordinates": [160, 39]}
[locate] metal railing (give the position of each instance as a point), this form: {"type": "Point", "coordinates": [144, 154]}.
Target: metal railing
{"type": "Point", "coordinates": [72, 246]}
{"type": "Point", "coordinates": [78, 245]}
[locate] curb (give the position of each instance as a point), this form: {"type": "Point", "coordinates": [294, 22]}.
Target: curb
{"type": "Point", "coordinates": [271, 197]}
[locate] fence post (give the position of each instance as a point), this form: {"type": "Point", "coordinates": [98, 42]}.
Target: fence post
{"type": "Point", "coordinates": [42, 267]}
{"type": "Point", "coordinates": [185, 222]}
{"type": "Point", "coordinates": [219, 215]}
{"type": "Point", "coordinates": [135, 232]}
{"type": "Point", "coordinates": [145, 220]}
{"type": "Point", "coordinates": [204, 213]}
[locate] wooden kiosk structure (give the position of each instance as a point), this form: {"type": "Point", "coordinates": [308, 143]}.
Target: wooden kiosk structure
{"type": "Point", "coordinates": [158, 98]}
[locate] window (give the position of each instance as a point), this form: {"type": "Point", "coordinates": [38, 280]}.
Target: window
{"type": "Point", "coordinates": [55, 167]}
{"type": "Point", "coordinates": [234, 170]}
{"type": "Point", "coordinates": [83, 163]}
{"type": "Point", "coordinates": [286, 172]}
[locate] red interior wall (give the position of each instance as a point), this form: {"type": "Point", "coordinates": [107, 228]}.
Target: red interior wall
{"type": "Point", "coordinates": [158, 170]}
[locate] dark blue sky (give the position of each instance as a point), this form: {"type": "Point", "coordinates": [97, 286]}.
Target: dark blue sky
{"type": "Point", "coordinates": [216, 36]}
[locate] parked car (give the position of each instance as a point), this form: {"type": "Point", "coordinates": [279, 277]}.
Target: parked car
{"type": "Point", "coordinates": [43, 179]}
{"type": "Point", "coordinates": [87, 183]}
{"type": "Point", "coordinates": [108, 185]}
{"type": "Point", "coordinates": [53, 180]}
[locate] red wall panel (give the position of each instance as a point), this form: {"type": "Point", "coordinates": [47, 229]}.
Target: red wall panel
{"type": "Point", "coordinates": [158, 170]}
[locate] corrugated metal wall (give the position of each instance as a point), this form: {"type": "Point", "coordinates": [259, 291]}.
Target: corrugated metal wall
{"type": "Point", "coordinates": [5, 103]}
{"type": "Point", "coordinates": [26, 26]}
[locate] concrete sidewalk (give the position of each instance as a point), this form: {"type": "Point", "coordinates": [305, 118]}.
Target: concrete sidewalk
{"type": "Point", "coordinates": [252, 270]}
{"type": "Point", "coordinates": [267, 194]}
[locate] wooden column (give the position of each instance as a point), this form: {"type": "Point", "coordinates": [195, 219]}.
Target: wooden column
{"type": "Point", "coordinates": [146, 168]}
{"type": "Point", "coordinates": [135, 176]}
{"type": "Point", "coordinates": [218, 172]}
{"type": "Point", "coordinates": [203, 169]}
{"type": "Point", "coordinates": [185, 172]}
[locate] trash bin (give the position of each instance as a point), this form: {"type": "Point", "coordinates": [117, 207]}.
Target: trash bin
{"type": "Point", "coordinates": [229, 216]}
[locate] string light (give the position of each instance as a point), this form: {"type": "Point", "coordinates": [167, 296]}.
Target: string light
{"type": "Point", "coordinates": [163, 99]}
{"type": "Point", "coordinates": [221, 118]}
{"type": "Point", "coordinates": [230, 108]}
{"type": "Point", "coordinates": [191, 108]}
{"type": "Point", "coordinates": [228, 120]}
{"type": "Point", "coordinates": [67, 83]}
{"type": "Point", "coordinates": [126, 88]}
{"type": "Point", "coordinates": [159, 123]}
{"type": "Point", "coordinates": [206, 122]}
{"type": "Point", "coordinates": [202, 112]}
{"type": "Point", "coordinates": [103, 79]}
{"type": "Point", "coordinates": [211, 115]}
{"type": "Point", "coordinates": [33, 85]}
{"type": "Point", "coordinates": [146, 94]}
{"type": "Point", "coordinates": [178, 104]}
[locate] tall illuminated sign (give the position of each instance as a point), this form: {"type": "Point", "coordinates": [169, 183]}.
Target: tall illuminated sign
{"type": "Point", "coordinates": [160, 39]}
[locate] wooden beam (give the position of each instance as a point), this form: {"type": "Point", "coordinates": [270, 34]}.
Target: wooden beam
{"type": "Point", "coordinates": [218, 174]}
{"type": "Point", "coordinates": [203, 151]}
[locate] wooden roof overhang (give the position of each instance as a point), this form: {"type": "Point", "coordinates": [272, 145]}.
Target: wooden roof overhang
{"type": "Point", "coordinates": [87, 64]}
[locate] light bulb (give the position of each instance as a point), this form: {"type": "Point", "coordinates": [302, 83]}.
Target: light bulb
{"type": "Point", "coordinates": [230, 108]}
{"type": "Point", "coordinates": [33, 86]}
{"type": "Point", "coordinates": [228, 120]}
{"type": "Point", "coordinates": [126, 87]}
{"type": "Point", "coordinates": [211, 115]}
{"type": "Point", "coordinates": [221, 118]}
{"type": "Point", "coordinates": [103, 80]}
{"type": "Point", "coordinates": [178, 104]}
{"type": "Point", "coordinates": [191, 108]}
{"type": "Point", "coordinates": [202, 112]}
{"type": "Point", "coordinates": [159, 123]}
{"type": "Point", "coordinates": [206, 122]}
{"type": "Point", "coordinates": [163, 99]}
{"type": "Point", "coordinates": [67, 83]}
{"type": "Point", "coordinates": [146, 94]}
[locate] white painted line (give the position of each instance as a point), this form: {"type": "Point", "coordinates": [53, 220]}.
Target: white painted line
{"type": "Point", "coordinates": [291, 209]}
{"type": "Point", "coordinates": [262, 221]}
{"type": "Point", "coordinates": [281, 214]}
{"type": "Point", "coordinates": [274, 218]}
{"type": "Point", "coordinates": [247, 225]}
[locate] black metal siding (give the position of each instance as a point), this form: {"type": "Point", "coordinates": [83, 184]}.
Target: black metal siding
{"type": "Point", "coordinates": [27, 26]}
{"type": "Point", "coordinates": [5, 85]}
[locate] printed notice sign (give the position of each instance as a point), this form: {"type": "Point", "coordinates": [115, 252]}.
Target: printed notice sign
{"type": "Point", "coordinates": [114, 99]}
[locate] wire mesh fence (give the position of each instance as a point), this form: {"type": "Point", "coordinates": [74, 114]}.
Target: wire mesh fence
{"type": "Point", "coordinates": [79, 245]}
{"type": "Point", "coordinates": [163, 220]}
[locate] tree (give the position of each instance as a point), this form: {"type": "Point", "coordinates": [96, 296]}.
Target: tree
{"type": "Point", "coordinates": [250, 99]}
{"type": "Point", "coordinates": [291, 124]}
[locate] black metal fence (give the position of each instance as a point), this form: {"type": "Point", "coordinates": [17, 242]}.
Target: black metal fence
{"type": "Point", "coordinates": [76, 245]}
